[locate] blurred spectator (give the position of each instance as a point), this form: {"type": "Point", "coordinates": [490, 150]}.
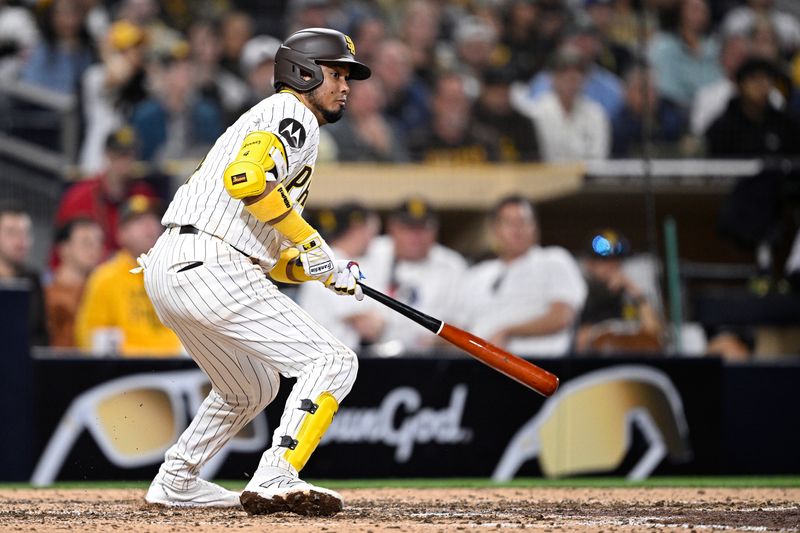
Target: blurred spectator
{"type": "Point", "coordinates": [79, 246]}
{"type": "Point", "coordinates": [65, 51]}
{"type": "Point", "coordinates": [419, 30]}
{"type": "Point", "coordinates": [111, 89]}
{"type": "Point", "coordinates": [115, 315]}
{"type": "Point", "coordinates": [452, 136]}
{"type": "Point", "coordinates": [751, 126]}
{"type": "Point", "coordinates": [370, 33]}
{"type": "Point", "coordinates": [711, 100]}
{"type": "Point", "coordinates": [684, 58]}
{"type": "Point", "coordinates": [16, 240]}
{"type": "Point", "coordinates": [364, 134]}
{"type": "Point", "coordinates": [529, 297]}
{"type": "Point", "coordinates": [569, 126]}
{"type": "Point", "coordinates": [349, 229]}
{"type": "Point", "coordinates": [514, 131]}
{"type": "Point", "coordinates": [237, 29]}
{"type": "Point", "coordinates": [627, 19]}
{"type": "Point", "coordinates": [228, 91]}
{"type": "Point", "coordinates": [258, 67]}
{"type": "Point", "coordinates": [409, 265]}
{"type": "Point", "coordinates": [407, 96]}
{"type": "Point", "coordinates": [600, 85]}
{"type": "Point", "coordinates": [764, 40]}
{"type": "Point", "coordinates": [99, 198]}
{"type": "Point", "coordinates": [740, 20]}
{"type": "Point", "coordinates": [176, 122]}
{"type": "Point", "coordinates": [475, 42]}
{"type": "Point", "coordinates": [18, 35]}
{"type": "Point", "coordinates": [312, 14]}
{"type": "Point", "coordinates": [147, 14]}
{"type": "Point", "coordinates": [522, 40]}
{"type": "Point", "coordinates": [667, 121]}
{"type": "Point", "coordinates": [612, 56]}
{"type": "Point", "coordinates": [617, 315]}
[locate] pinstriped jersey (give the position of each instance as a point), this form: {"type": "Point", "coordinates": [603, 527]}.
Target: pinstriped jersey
{"type": "Point", "coordinates": [204, 203]}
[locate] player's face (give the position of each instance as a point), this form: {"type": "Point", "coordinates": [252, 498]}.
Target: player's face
{"type": "Point", "coordinates": [329, 99]}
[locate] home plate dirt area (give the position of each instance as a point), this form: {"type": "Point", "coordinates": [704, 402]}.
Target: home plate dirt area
{"type": "Point", "coordinates": [425, 510]}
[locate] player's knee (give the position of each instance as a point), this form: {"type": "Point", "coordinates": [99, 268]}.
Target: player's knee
{"type": "Point", "coordinates": [349, 361]}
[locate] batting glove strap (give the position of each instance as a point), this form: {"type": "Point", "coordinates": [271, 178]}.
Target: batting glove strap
{"type": "Point", "coordinates": [316, 257]}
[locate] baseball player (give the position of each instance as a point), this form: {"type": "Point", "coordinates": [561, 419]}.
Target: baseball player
{"type": "Point", "coordinates": [237, 217]}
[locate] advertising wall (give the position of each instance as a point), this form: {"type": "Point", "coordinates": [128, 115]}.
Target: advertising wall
{"type": "Point", "coordinates": [113, 419]}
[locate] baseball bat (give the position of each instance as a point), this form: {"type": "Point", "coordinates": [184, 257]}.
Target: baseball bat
{"type": "Point", "coordinates": [504, 362]}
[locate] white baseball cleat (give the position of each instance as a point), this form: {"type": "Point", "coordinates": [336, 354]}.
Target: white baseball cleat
{"type": "Point", "coordinates": [202, 494]}
{"type": "Point", "coordinates": [275, 490]}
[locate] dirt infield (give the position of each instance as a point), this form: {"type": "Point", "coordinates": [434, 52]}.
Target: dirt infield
{"type": "Point", "coordinates": [425, 510]}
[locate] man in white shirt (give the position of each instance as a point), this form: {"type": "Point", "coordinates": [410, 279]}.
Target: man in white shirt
{"type": "Point", "coordinates": [409, 265]}
{"type": "Point", "coordinates": [528, 298]}
{"type": "Point", "coordinates": [349, 228]}
{"type": "Point", "coordinates": [569, 126]}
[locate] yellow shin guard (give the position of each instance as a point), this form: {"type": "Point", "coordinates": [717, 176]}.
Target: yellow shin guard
{"type": "Point", "coordinates": [314, 425]}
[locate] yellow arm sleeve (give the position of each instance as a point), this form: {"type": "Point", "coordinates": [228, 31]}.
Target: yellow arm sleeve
{"type": "Point", "coordinates": [287, 269]}
{"type": "Point", "coordinates": [276, 209]}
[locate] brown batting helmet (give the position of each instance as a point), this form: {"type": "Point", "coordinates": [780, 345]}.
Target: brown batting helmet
{"type": "Point", "coordinates": [303, 51]}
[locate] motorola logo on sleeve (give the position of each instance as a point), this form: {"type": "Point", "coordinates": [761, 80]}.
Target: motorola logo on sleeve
{"type": "Point", "coordinates": [293, 132]}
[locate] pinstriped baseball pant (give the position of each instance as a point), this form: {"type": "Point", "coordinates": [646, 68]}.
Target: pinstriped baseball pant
{"type": "Point", "coordinates": [242, 332]}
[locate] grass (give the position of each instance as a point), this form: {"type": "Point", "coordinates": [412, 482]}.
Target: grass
{"type": "Point", "coordinates": [588, 482]}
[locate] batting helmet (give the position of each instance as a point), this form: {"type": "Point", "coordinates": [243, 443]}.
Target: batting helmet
{"type": "Point", "coordinates": [303, 51]}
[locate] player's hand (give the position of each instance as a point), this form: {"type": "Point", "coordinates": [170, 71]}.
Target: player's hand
{"type": "Point", "coordinates": [344, 281]}
{"type": "Point", "coordinates": [316, 257]}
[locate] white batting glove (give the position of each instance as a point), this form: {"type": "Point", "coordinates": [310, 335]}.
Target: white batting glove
{"type": "Point", "coordinates": [344, 280]}
{"type": "Point", "coordinates": [316, 257]}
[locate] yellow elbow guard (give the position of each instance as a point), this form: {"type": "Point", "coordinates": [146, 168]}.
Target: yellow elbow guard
{"type": "Point", "coordinates": [247, 174]}
{"type": "Point", "coordinates": [276, 210]}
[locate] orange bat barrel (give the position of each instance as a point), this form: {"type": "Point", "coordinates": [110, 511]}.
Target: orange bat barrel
{"type": "Point", "coordinates": [512, 366]}
{"type": "Point", "coordinates": [504, 362]}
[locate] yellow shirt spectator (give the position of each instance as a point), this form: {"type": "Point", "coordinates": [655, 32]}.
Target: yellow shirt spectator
{"type": "Point", "coordinates": [116, 309]}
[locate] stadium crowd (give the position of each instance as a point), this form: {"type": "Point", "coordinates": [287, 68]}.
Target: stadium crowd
{"type": "Point", "coordinates": [455, 82]}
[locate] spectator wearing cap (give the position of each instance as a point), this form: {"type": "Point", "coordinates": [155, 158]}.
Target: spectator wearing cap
{"type": "Point", "coordinates": [16, 240]}
{"type": "Point", "coordinates": [111, 89]}
{"type": "Point", "coordinates": [100, 197]}
{"type": "Point", "coordinates": [599, 85]}
{"type": "Point", "coordinates": [751, 126]}
{"type": "Point", "coordinates": [115, 315]}
{"type": "Point", "coordinates": [569, 126]}
{"type": "Point", "coordinates": [258, 68]}
{"type": "Point", "coordinates": [349, 229]}
{"type": "Point", "coordinates": [364, 133]}
{"type": "Point", "coordinates": [683, 57]}
{"type": "Point", "coordinates": [65, 51]}
{"type": "Point", "coordinates": [79, 247]}
{"type": "Point", "coordinates": [409, 265]}
{"type": "Point", "coordinates": [617, 315]}
{"type": "Point", "coordinates": [453, 137]}
{"type": "Point", "coordinates": [493, 111]}
{"type": "Point", "coordinates": [476, 46]}
{"type": "Point", "coordinates": [528, 298]}
{"type": "Point", "coordinates": [741, 20]}
{"type": "Point", "coordinates": [176, 122]}
{"type": "Point", "coordinates": [228, 91]}
{"type": "Point", "coordinates": [668, 121]}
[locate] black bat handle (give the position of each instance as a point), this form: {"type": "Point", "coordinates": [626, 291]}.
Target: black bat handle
{"type": "Point", "coordinates": [428, 322]}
